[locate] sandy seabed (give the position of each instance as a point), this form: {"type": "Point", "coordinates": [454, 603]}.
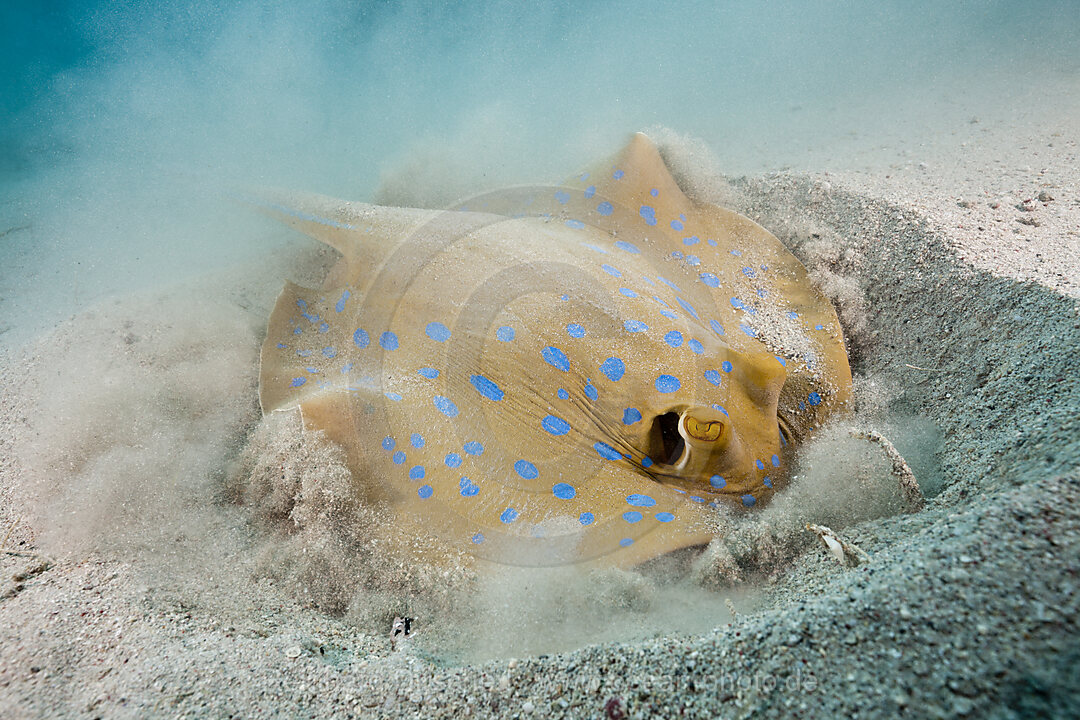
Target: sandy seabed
{"type": "Point", "coordinates": [137, 584]}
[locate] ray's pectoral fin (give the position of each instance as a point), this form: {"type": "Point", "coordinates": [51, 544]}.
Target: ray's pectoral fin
{"type": "Point", "coordinates": [364, 234]}
{"type": "Point", "coordinates": [638, 180]}
{"type": "Point", "coordinates": [307, 342]}
{"type": "Point", "coordinates": [308, 365]}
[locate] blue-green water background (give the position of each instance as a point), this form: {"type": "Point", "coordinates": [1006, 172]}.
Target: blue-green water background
{"type": "Point", "coordinates": [121, 122]}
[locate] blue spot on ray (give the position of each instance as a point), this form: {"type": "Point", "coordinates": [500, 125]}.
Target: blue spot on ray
{"type": "Point", "coordinates": [508, 515]}
{"type": "Point", "coordinates": [425, 492]}
{"type": "Point", "coordinates": [556, 358]}
{"type": "Point", "coordinates": [610, 270]}
{"type": "Point", "coordinates": [437, 332]}
{"type": "Point", "coordinates": [605, 208]}
{"type": "Point", "coordinates": [667, 383]}
{"type": "Point", "coordinates": [639, 500]}
{"type": "Point", "coordinates": [648, 213]}
{"type": "Point", "coordinates": [628, 247]}
{"type": "Point", "coordinates": [631, 516]}
{"type": "Point", "coordinates": [635, 326]}
{"type": "Point", "coordinates": [739, 304]}
{"type": "Point", "coordinates": [575, 330]}
{"type": "Point", "coordinates": [340, 304]}
{"type": "Point", "coordinates": [631, 416]}
{"type": "Point", "coordinates": [452, 460]}
{"type": "Point", "coordinates": [474, 448]}
{"type": "Point", "coordinates": [613, 369]}
{"type": "Point", "coordinates": [586, 518]}
{"type": "Point", "coordinates": [445, 406]}
{"type": "Point", "coordinates": [486, 387]}
{"type": "Point", "coordinates": [388, 341]}
{"type": "Point", "coordinates": [674, 339]}
{"type": "Point", "coordinates": [606, 451]}
{"type": "Point", "coordinates": [712, 376]}
{"type": "Point", "coordinates": [429, 373]}
{"type": "Point", "coordinates": [563, 491]}
{"type": "Point", "coordinates": [505, 333]}
{"type": "Point", "coordinates": [664, 517]}
{"type": "Point", "coordinates": [710, 279]}
{"type": "Point", "coordinates": [361, 338]}
{"type": "Point", "coordinates": [590, 391]}
{"type": "Point", "coordinates": [416, 440]}
{"type": "Point", "coordinates": [555, 425]}
{"type": "Point", "coordinates": [688, 308]}
{"type": "Point", "coordinates": [526, 470]}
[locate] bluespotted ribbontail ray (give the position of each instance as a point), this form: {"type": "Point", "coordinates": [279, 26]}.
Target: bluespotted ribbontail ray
{"type": "Point", "coordinates": [557, 375]}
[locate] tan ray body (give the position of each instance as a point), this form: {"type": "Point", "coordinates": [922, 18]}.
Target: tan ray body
{"type": "Point", "coordinates": [558, 375]}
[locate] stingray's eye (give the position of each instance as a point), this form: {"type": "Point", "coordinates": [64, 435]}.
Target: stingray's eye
{"type": "Point", "coordinates": [709, 431]}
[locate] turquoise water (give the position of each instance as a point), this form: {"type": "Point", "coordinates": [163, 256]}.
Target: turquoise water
{"type": "Point", "coordinates": [122, 123]}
